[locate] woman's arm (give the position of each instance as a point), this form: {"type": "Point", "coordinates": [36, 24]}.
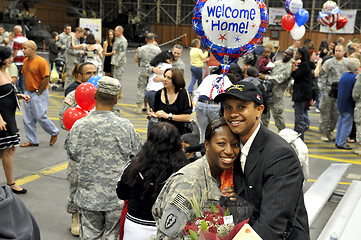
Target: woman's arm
{"type": "Point", "coordinates": [24, 96]}
{"type": "Point", "coordinates": [100, 51]}
{"type": "Point", "coordinates": [105, 49]}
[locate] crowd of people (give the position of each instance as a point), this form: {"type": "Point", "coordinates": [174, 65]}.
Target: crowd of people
{"type": "Point", "coordinates": [108, 162]}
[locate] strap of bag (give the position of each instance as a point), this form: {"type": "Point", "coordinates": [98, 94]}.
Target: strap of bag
{"type": "Point", "coordinates": [166, 99]}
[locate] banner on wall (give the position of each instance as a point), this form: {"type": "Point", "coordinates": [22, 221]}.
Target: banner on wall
{"type": "Point", "coordinates": [350, 26]}
{"type": "Point", "coordinates": [275, 15]}
{"type": "Point", "coordinates": [95, 26]}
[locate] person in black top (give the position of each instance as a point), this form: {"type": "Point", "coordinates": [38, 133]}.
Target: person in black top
{"type": "Point", "coordinates": [172, 103]}
{"type": "Point", "coordinates": [53, 48]}
{"type": "Point", "coordinates": [302, 89]}
{"type": "Point", "coordinates": [144, 177]}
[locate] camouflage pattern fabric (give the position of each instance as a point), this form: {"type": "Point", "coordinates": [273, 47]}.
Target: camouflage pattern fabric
{"type": "Point", "coordinates": [101, 144]}
{"type": "Point", "coordinates": [145, 55]}
{"type": "Point", "coordinates": [119, 60]}
{"type": "Point", "coordinates": [72, 58]}
{"type": "Point", "coordinates": [330, 72]}
{"type": "Point", "coordinates": [179, 64]}
{"type": "Point", "coordinates": [356, 95]}
{"type": "Point", "coordinates": [280, 78]}
{"type": "Point", "coordinates": [63, 39]}
{"type": "Point", "coordinates": [172, 208]}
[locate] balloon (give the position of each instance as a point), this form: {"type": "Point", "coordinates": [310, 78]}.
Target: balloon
{"type": "Point", "coordinates": [328, 7]}
{"type": "Point", "coordinates": [94, 80]}
{"type": "Point", "coordinates": [84, 96]}
{"type": "Point", "coordinates": [297, 32]}
{"type": "Point", "coordinates": [71, 115]}
{"type": "Point", "coordinates": [341, 23]}
{"type": "Point", "coordinates": [302, 17]}
{"type": "Point", "coordinates": [288, 21]}
{"type": "Point", "coordinates": [328, 19]}
{"type": "Point", "coordinates": [230, 29]}
{"type": "Point", "coordinates": [293, 6]}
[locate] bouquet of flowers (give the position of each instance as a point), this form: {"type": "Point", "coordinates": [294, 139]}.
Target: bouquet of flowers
{"type": "Point", "coordinates": [216, 224]}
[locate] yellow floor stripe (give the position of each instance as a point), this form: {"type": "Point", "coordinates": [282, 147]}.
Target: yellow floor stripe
{"type": "Point", "coordinates": [27, 179]}
{"type": "Point", "coordinates": [55, 169]}
{"type": "Point", "coordinates": [358, 162]}
{"type": "Point", "coordinates": [314, 180]}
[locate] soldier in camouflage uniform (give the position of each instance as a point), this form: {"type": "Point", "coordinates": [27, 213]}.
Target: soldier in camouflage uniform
{"type": "Point", "coordinates": [144, 56]}
{"type": "Point", "coordinates": [280, 78]}
{"type": "Point", "coordinates": [331, 72]}
{"type": "Point", "coordinates": [101, 144]}
{"type": "Point", "coordinates": [63, 39]}
{"type": "Point", "coordinates": [356, 95]}
{"type": "Point", "coordinates": [201, 178]}
{"type": "Point", "coordinates": [72, 56]}
{"type": "Point", "coordinates": [177, 51]}
{"type": "Point", "coordinates": [119, 59]}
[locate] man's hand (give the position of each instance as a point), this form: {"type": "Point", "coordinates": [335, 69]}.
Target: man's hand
{"type": "Point", "coordinates": [158, 71]}
{"type": "Point", "coordinates": [262, 76]}
{"type": "Point", "coordinates": [229, 192]}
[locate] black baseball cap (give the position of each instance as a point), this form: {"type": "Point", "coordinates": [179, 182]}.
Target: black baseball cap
{"type": "Point", "coordinates": [242, 90]}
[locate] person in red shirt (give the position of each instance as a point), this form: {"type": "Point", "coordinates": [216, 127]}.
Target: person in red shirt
{"type": "Point", "coordinates": [263, 61]}
{"type": "Point", "coordinates": [19, 56]}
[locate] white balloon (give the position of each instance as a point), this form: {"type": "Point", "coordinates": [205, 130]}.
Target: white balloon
{"type": "Point", "coordinates": [295, 6]}
{"type": "Point", "coordinates": [297, 32]}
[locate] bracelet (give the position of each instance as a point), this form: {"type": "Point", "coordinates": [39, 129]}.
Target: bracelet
{"type": "Point", "coordinates": [170, 116]}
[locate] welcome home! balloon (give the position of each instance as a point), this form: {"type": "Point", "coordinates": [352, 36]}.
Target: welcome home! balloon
{"type": "Point", "coordinates": [230, 28]}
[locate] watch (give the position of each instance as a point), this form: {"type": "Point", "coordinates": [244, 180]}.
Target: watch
{"type": "Point", "coordinates": [170, 116]}
{"type": "Point", "coordinates": [37, 90]}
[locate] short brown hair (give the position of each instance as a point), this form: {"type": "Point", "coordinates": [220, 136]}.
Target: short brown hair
{"type": "Point", "coordinates": [79, 29]}
{"type": "Point", "coordinates": [177, 79]}
{"type": "Point", "coordinates": [195, 42]}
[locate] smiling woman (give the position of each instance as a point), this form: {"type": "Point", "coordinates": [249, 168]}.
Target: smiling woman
{"type": "Point", "coordinates": [198, 180]}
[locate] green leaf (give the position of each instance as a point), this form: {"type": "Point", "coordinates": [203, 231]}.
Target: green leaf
{"type": "Point", "coordinates": [214, 209]}
{"type": "Point", "coordinates": [204, 225]}
{"type": "Point", "coordinates": [227, 213]}
{"type": "Point", "coordinates": [193, 235]}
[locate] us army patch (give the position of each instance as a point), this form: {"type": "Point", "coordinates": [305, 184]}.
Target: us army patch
{"type": "Point", "coordinates": [170, 221]}
{"type": "Point", "coordinates": [68, 101]}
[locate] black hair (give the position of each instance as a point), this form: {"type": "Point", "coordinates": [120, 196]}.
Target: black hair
{"type": "Point", "coordinates": [305, 54]}
{"type": "Point", "coordinates": [190, 138]}
{"type": "Point", "coordinates": [80, 70]}
{"type": "Point", "coordinates": [252, 71]}
{"type": "Point", "coordinates": [54, 34]}
{"type": "Point", "coordinates": [5, 53]}
{"type": "Point", "coordinates": [160, 156]}
{"type": "Point", "coordinates": [66, 25]}
{"type": "Point", "coordinates": [212, 126]}
{"type": "Point", "coordinates": [323, 45]}
{"type": "Point", "coordinates": [162, 57]}
{"type": "Point", "coordinates": [177, 79]}
{"type": "Point", "coordinates": [351, 50]}
{"type": "Point", "coordinates": [90, 39]}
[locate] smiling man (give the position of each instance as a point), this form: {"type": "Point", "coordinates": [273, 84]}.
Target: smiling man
{"type": "Point", "coordinates": [269, 175]}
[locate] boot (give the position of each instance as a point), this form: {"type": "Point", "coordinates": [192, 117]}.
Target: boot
{"type": "Point", "coordinates": [139, 108]}
{"type": "Point", "coordinates": [75, 224]}
{"type": "Point", "coordinates": [358, 150]}
{"type": "Point", "coordinates": [331, 136]}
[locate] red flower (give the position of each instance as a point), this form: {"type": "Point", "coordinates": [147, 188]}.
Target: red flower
{"type": "Point", "coordinates": [212, 229]}
{"type": "Point", "coordinates": [220, 221]}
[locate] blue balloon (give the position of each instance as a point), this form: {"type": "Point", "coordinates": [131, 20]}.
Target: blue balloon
{"type": "Point", "coordinates": [94, 80]}
{"type": "Point", "coordinates": [302, 17]}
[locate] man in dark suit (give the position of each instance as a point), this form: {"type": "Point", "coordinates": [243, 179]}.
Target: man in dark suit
{"type": "Point", "coordinates": [269, 175]}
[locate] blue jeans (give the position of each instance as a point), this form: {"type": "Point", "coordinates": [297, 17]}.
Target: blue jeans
{"type": "Point", "coordinates": [150, 95]}
{"type": "Point", "coordinates": [35, 111]}
{"type": "Point", "coordinates": [301, 118]}
{"type": "Point", "coordinates": [205, 114]}
{"type": "Point", "coordinates": [197, 74]}
{"type": "Point", "coordinates": [20, 84]}
{"type": "Point", "coordinates": [344, 128]}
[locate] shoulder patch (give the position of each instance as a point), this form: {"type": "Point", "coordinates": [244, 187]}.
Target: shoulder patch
{"type": "Point", "coordinates": [170, 221]}
{"type": "Point", "coordinates": [69, 101]}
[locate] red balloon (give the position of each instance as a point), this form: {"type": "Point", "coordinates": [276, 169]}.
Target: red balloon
{"type": "Point", "coordinates": [84, 96]}
{"type": "Point", "coordinates": [288, 21]}
{"type": "Point", "coordinates": [342, 21]}
{"type": "Point", "coordinates": [71, 116]}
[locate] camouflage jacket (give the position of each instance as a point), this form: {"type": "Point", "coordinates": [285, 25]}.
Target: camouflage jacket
{"type": "Point", "coordinates": [145, 55]}
{"type": "Point", "coordinates": [172, 209]}
{"type": "Point", "coordinates": [101, 144]}
{"type": "Point", "coordinates": [280, 77]}
{"type": "Point", "coordinates": [356, 95]}
{"type": "Point", "coordinates": [120, 47]}
{"type": "Point", "coordinates": [72, 55]}
{"type": "Point", "coordinates": [179, 64]}
{"type": "Point", "coordinates": [63, 39]}
{"type": "Point", "coordinates": [69, 101]}
{"type": "Point", "coordinates": [331, 72]}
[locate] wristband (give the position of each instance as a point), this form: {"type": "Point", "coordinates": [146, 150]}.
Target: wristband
{"type": "Point", "coordinates": [170, 116]}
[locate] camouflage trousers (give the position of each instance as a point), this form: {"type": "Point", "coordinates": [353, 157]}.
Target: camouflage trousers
{"type": "Point", "coordinates": [99, 225]}
{"type": "Point", "coordinates": [72, 177]}
{"type": "Point", "coordinates": [277, 112]}
{"type": "Point", "coordinates": [118, 73]}
{"type": "Point", "coordinates": [328, 113]}
{"type": "Point", "coordinates": [142, 85]}
{"type": "Point", "coordinates": [357, 120]}
{"type": "Point", "coordinates": [69, 69]}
